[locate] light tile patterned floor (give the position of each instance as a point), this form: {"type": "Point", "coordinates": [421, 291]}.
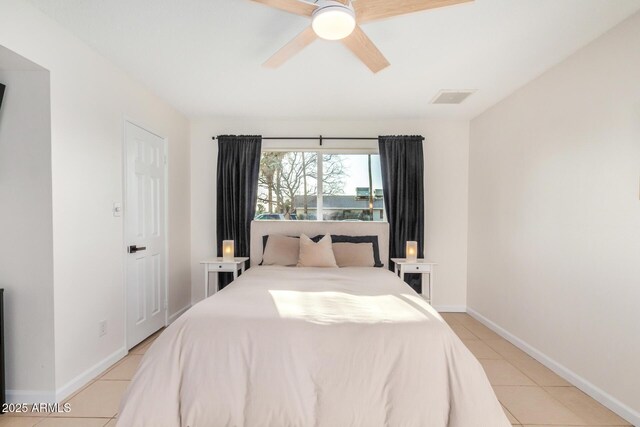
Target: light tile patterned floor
{"type": "Point", "coordinates": [96, 404]}
{"type": "Point", "coordinates": [531, 394]}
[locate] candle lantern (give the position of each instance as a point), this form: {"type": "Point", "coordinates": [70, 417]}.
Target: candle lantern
{"type": "Point", "coordinates": [228, 250]}
{"type": "Point", "coordinates": [412, 251]}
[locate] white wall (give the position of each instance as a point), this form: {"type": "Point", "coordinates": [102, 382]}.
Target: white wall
{"type": "Point", "coordinates": [26, 228]}
{"type": "Point", "coordinates": [90, 98]}
{"type": "Point", "coordinates": [554, 216]}
{"type": "Point", "coordinates": [446, 165]}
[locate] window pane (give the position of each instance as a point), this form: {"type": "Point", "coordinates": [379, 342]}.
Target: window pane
{"type": "Point", "coordinates": [352, 187]}
{"type": "Point", "coordinates": [284, 176]}
{"type": "Point", "coordinates": [288, 186]}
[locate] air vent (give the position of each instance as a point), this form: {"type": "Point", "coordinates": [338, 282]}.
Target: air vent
{"type": "Point", "coordinates": [451, 96]}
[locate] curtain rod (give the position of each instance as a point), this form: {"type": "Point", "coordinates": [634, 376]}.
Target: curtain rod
{"type": "Point", "coordinates": [320, 138]}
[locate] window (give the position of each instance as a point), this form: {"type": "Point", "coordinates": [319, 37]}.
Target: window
{"type": "Point", "coordinates": [303, 185]}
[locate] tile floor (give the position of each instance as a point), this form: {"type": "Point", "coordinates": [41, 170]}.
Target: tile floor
{"type": "Point", "coordinates": [530, 393]}
{"type": "Point", "coordinates": [96, 404]}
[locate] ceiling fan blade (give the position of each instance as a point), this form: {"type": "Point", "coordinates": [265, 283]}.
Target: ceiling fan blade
{"type": "Point", "coordinates": [371, 10]}
{"type": "Point", "coordinates": [289, 50]}
{"type": "Point", "coordinates": [363, 48]}
{"type": "Point", "coordinates": [292, 6]}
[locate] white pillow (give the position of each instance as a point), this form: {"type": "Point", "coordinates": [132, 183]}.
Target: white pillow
{"type": "Point", "coordinates": [354, 254]}
{"type": "Point", "coordinates": [314, 254]}
{"type": "Point", "coordinates": [281, 250]}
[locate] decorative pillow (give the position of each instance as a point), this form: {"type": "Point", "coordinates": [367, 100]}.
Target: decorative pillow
{"type": "Point", "coordinates": [281, 250]}
{"type": "Point", "coordinates": [358, 239]}
{"type": "Point", "coordinates": [314, 254]}
{"type": "Point", "coordinates": [354, 254]}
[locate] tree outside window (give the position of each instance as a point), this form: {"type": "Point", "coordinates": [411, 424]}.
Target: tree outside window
{"type": "Point", "coordinates": [288, 187]}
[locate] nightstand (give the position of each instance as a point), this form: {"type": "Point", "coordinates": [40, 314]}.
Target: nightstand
{"type": "Point", "coordinates": [418, 266]}
{"type": "Point", "coordinates": [221, 266]}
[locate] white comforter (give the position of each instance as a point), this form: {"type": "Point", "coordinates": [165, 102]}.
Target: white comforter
{"type": "Point", "coordinates": [285, 346]}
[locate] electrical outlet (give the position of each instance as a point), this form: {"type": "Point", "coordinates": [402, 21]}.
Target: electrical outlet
{"type": "Point", "coordinates": [102, 328]}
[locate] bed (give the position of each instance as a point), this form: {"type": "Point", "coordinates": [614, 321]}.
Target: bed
{"type": "Point", "coordinates": [287, 346]}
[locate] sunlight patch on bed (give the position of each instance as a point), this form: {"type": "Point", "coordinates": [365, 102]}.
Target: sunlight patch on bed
{"type": "Point", "coordinates": [340, 307]}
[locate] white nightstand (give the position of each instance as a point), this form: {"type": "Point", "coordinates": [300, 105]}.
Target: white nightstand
{"type": "Point", "coordinates": [219, 265]}
{"type": "Point", "coordinates": [418, 266]}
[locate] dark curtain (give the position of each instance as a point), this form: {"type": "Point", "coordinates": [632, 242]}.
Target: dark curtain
{"type": "Point", "coordinates": [402, 167]}
{"type": "Point", "coordinates": [238, 170]}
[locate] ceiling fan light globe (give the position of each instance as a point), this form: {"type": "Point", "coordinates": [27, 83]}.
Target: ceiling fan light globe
{"type": "Point", "coordinates": [333, 23]}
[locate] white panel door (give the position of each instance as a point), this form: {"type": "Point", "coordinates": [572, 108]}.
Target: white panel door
{"type": "Point", "coordinates": [144, 233]}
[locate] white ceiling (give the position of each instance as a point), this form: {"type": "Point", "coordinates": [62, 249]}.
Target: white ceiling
{"type": "Point", "coordinates": [204, 56]}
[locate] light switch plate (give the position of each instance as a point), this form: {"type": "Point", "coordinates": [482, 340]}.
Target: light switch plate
{"type": "Point", "coordinates": [117, 209]}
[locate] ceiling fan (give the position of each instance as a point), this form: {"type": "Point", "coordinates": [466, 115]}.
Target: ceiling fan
{"type": "Point", "coordinates": [341, 19]}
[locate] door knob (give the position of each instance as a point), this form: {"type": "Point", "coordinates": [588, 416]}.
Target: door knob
{"type": "Point", "coordinates": [133, 249]}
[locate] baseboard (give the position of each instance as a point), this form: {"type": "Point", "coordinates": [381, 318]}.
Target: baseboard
{"type": "Point", "coordinates": [78, 382]}
{"type": "Point", "coordinates": [31, 396]}
{"type": "Point", "coordinates": [450, 308]}
{"type": "Point", "coordinates": [592, 390]}
{"type": "Point", "coordinates": [177, 314]}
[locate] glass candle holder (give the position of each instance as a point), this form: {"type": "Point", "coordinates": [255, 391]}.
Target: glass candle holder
{"type": "Point", "coordinates": [228, 250]}
{"type": "Point", "coordinates": [412, 251]}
